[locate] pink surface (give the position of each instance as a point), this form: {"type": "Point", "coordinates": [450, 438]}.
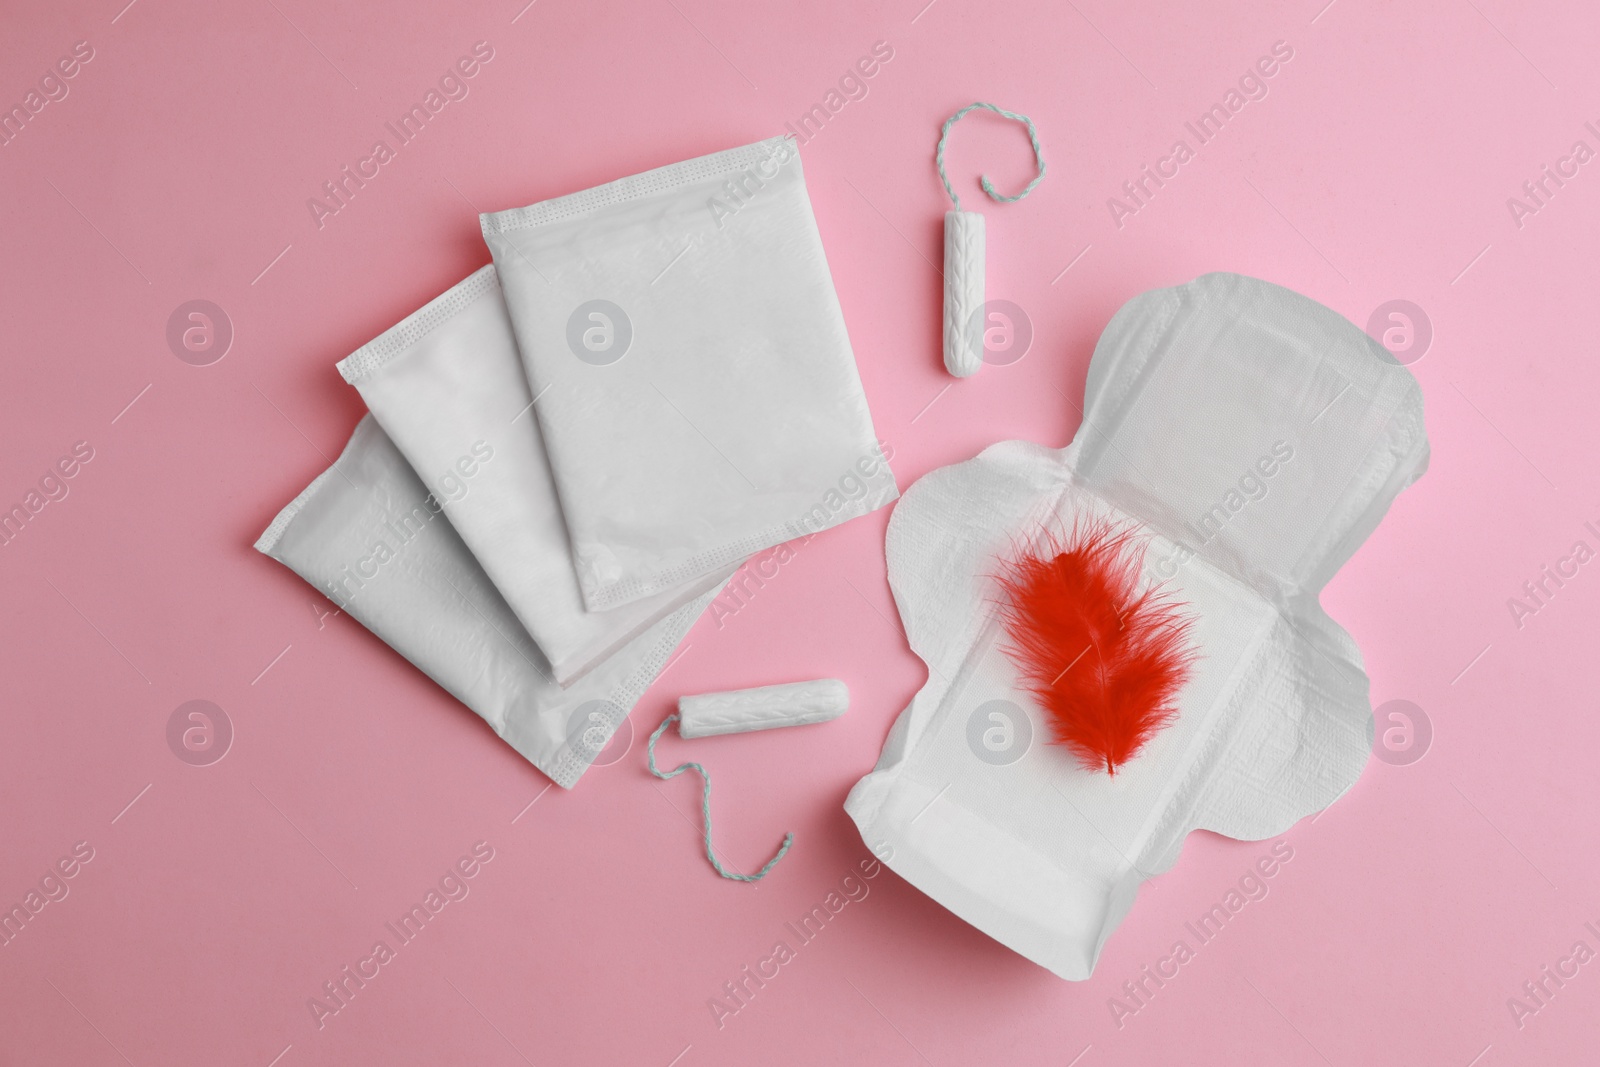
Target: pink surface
{"type": "Point", "coordinates": [220, 898]}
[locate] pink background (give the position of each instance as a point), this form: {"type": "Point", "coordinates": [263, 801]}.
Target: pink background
{"type": "Point", "coordinates": [220, 898]}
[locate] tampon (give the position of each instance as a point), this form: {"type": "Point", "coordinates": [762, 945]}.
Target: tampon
{"type": "Point", "coordinates": [964, 250]}
{"type": "Point", "coordinates": [764, 708]}
{"type": "Point", "coordinates": [963, 291]}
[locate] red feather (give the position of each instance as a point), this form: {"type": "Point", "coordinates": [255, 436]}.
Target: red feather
{"type": "Point", "coordinates": [1105, 660]}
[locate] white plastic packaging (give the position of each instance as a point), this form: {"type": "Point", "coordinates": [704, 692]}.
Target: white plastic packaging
{"type": "Point", "coordinates": [367, 534]}
{"type": "Point", "coordinates": [699, 398]}
{"type": "Point", "coordinates": [447, 386]}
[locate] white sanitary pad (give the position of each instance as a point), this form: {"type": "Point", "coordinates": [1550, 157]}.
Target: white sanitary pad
{"type": "Point", "coordinates": [368, 535]}
{"type": "Point", "coordinates": [698, 394]}
{"type": "Point", "coordinates": [446, 384]}
{"type": "Point", "coordinates": [1258, 438]}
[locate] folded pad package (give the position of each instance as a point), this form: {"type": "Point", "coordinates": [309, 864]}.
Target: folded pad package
{"type": "Point", "coordinates": [1255, 438]}
{"type": "Point", "coordinates": [698, 395]}
{"type": "Point", "coordinates": [446, 384]}
{"type": "Point", "coordinates": [368, 535]}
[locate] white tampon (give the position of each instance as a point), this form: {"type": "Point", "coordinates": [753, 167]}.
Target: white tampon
{"type": "Point", "coordinates": [770, 706]}
{"type": "Point", "coordinates": [964, 251]}
{"type": "Point", "coordinates": [963, 291]}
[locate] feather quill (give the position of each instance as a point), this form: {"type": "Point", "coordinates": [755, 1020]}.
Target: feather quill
{"type": "Point", "coordinates": [1105, 660]}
